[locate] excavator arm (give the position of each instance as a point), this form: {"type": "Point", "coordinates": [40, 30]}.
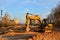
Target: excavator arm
{"type": "Point", "coordinates": [30, 17]}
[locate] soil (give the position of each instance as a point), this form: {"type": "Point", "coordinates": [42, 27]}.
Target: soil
{"type": "Point", "coordinates": [55, 35]}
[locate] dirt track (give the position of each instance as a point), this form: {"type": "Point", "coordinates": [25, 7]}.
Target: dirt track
{"type": "Point", "coordinates": [31, 36]}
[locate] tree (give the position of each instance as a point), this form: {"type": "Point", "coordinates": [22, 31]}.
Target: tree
{"type": "Point", "coordinates": [55, 16]}
{"type": "Point", "coordinates": [6, 19]}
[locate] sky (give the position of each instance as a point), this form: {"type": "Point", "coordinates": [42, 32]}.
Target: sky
{"type": "Point", "coordinates": [19, 8]}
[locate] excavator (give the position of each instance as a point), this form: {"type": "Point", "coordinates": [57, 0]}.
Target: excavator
{"type": "Point", "coordinates": [34, 22]}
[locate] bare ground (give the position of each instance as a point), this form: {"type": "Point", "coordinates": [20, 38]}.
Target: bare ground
{"type": "Point", "coordinates": [31, 36]}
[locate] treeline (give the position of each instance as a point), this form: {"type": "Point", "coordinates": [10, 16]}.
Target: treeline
{"type": "Point", "coordinates": [54, 16]}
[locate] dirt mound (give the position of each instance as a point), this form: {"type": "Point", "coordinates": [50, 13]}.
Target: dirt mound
{"type": "Point", "coordinates": [47, 36]}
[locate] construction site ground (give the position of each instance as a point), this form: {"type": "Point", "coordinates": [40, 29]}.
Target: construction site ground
{"type": "Point", "coordinates": [55, 35]}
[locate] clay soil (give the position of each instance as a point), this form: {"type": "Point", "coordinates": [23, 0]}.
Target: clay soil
{"type": "Point", "coordinates": [55, 35]}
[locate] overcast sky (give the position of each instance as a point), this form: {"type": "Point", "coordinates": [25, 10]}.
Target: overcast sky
{"type": "Point", "coordinates": [19, 8]}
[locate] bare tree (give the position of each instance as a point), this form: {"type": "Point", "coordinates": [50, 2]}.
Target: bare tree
{"type": "Point", "coordinates": [55, 16]}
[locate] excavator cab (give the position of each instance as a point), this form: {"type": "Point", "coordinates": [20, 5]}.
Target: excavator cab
{"type": "Point", "coordinates": [47, 26]}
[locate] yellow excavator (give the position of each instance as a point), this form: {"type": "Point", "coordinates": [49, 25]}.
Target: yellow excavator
{"type": "Point", "coordinates": [34, 22]}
